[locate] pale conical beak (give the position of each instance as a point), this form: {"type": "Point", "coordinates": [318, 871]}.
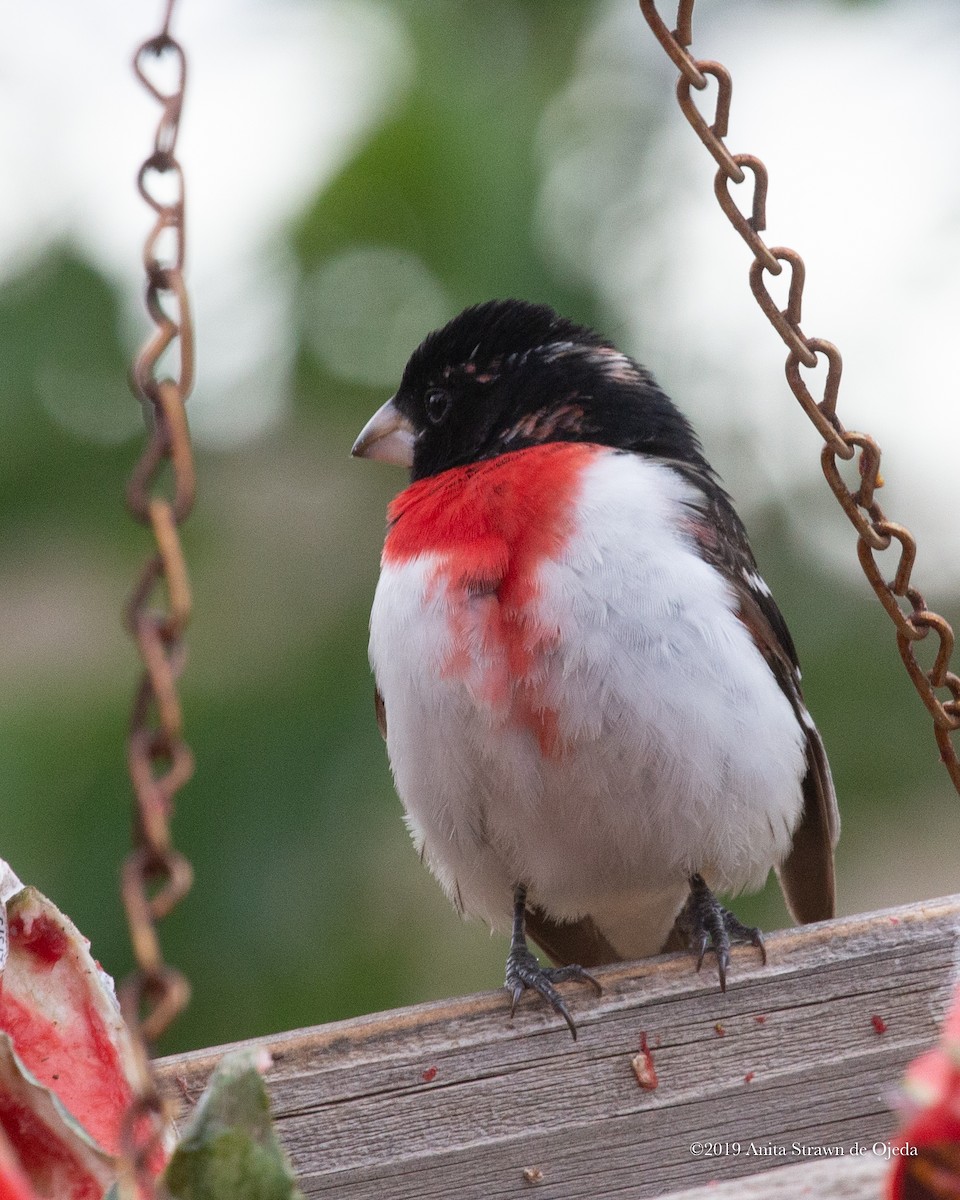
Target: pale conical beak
{"type": "Point", "coordinates": [387, 437]}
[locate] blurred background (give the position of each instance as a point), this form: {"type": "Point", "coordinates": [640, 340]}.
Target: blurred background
{"type": "Point", "coordinates": [357, 171]}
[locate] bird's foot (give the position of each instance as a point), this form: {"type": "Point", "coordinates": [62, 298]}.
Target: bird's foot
{"type": "Point", "coordinates": [708, 925]}
{"type": "Point", "coordinates": [524, 971]}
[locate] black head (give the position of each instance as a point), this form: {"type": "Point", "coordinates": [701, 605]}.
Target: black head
{"type": "Point", "coordinates": [507, 374]}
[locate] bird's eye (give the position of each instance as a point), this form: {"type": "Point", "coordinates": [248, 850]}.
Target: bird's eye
{"type": "Point", "coordinates": [437, 402]}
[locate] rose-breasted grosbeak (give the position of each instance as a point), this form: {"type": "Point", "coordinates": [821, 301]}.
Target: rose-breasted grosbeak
{"type": "Point", "coordinates": [590, 700]}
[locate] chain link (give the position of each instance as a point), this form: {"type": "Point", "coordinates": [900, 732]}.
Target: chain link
{"type": "Point", "coordinates": [160, 492]}
{"type": "Point", "coordinates": [904, 604]}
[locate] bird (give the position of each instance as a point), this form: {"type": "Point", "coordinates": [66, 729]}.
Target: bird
{"type": "Point", "coordinates": [590, 700]}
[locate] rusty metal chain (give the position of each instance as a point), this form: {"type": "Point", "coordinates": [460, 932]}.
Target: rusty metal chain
{"type": "Point", "coordinates": [160, 492]}
{"type": "Point", "coordinates": [905, 605]}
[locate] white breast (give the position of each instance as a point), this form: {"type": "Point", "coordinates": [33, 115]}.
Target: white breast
{"type": "Point", "coordinates": [675, 750]}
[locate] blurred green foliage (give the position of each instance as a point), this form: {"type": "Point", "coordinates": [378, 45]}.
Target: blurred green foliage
{"type": "Point", "coordinates": [309, 904]}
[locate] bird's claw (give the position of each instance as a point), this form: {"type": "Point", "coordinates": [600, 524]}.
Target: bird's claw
{"type": "Point", "coordinates": [524, 971]}
{"type": "Point", "coordinates": [708, 925]}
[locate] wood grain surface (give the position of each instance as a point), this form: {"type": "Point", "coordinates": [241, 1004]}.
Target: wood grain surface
{"type": "Point", "coordinates": [454, 1099]}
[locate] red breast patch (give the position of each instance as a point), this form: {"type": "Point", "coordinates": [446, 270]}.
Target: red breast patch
{"type": "Point", "coordinates": [491, 524]}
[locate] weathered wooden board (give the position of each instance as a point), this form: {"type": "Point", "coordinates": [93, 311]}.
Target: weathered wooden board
{"type": "Point", "coordinates": [453, 1099]}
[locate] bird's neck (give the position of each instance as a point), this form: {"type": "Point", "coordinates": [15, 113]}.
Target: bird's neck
{"type": "Point", "coordinates": [495, 520]}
